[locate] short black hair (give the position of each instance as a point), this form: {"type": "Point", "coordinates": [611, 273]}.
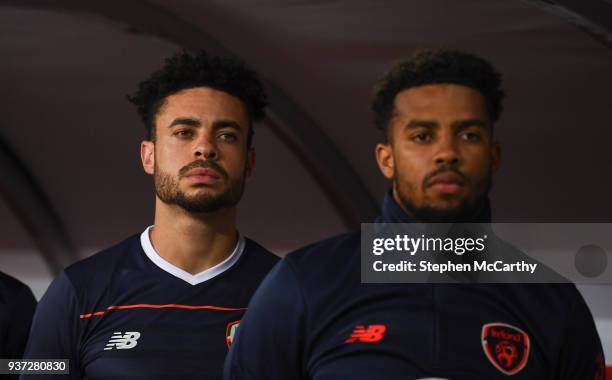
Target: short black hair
{"type": "Point", "coordinates": [437, 66]}
{"type": "Point", "coordinates": [184, 70]}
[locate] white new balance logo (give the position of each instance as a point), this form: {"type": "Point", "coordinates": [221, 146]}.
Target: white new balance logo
{"type": "Point", "coordinates": [122, 341]}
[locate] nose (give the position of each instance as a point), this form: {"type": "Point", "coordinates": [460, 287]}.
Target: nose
{"type": "Point", "coordinates": [447, 152]}
{"type": "Point", "coordinates": [206, 148]}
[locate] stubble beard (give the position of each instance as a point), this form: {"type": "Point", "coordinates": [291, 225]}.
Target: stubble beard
{"type": "Point", "coordinates": [168, 191]}
{"type": "Point", "coordinates": [465, 212]}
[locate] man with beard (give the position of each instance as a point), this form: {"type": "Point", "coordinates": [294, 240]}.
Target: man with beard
{"type": "Point", "coordinates": [166, 303]}
{"type": "Point", "coordinates": [312, 318]}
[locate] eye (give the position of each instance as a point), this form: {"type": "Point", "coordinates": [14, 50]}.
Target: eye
{"type": "Point", "coordinates": [227, 137]}
{"type": "Point", "coordinates": [471, 136]}
{"type": "Point", "coordinates": [183, 133]}
{"type": "Point", "coordinates": [421, 137]}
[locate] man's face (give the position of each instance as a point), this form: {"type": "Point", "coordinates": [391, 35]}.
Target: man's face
{"type": "Point", "coordinates": [199, 157]}
{"type": "Point", "coordinates": [440, 154]}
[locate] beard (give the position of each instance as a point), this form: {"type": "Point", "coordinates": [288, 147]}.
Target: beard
{"type": "Point", "coordinates": [168, 190]}
{"type": "Point", "coordinates": [466, 211]}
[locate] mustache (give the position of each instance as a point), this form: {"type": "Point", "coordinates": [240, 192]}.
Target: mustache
{"type": "Point", "coordinates": [205, 164]}
{"type": "Point", "coordinates": [441, 170]}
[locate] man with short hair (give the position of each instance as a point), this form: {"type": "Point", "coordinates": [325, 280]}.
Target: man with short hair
{"type": "Point", "coordinates": [166, 303]}
{"type": "Point", "coordinates": [312, 318]}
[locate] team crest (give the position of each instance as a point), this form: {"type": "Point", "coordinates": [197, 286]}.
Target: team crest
{"type": "Point", "coordinates": [230, 332]}
{"type": "Point", "coordinates": [506, 347]}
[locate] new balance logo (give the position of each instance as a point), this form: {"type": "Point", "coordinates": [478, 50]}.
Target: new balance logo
{"type": "Point", "coordinates": [371, 334]}
{"type": "Point", "coordinates": [121, 341]}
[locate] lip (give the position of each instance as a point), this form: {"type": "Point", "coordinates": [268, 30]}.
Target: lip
{"type": "Point", "coordinates": [447, 183]}
{"type": "Point", "coordinates": [203, 172]}
{"type": "Point", "coordinates": [203, 175]}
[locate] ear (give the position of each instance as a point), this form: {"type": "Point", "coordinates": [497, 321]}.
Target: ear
{"type": "Point", "coordinates": [147, 156]}
{"type": "Point", "coordinates": [384, 158]}
{"type": "Point", "coordinates": [495, 156]}
{"type": "Point", "coordinates": [250, 162]}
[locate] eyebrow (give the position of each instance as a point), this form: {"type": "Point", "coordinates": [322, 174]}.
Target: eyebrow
{"type": "Point", "coordinates": [190, 121]}
{"type": "Point", "coordinates": [460, 125]}
{"type": "Point", "coordinates": [463, 124]}
{"type": "Point", "coordinates": [195, 122]}
{"type": "Point", "coordinates": [220, 124]}
{"type": "Point", "coordinates": [429, 124]}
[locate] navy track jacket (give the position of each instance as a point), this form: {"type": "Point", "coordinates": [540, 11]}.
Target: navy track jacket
{"type": "Point", "coordinates": [312, 318]}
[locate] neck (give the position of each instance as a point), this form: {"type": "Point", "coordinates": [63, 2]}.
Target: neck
{"type": "Point", "coordinates": [193, 242]}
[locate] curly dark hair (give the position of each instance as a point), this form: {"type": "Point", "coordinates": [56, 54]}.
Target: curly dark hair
{"type": "Point", "coordinates": [184, 70]}
{"type": "Point", "coordinates": [437, 66]}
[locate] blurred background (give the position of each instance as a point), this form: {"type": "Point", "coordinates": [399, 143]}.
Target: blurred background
{"type": "Point", "coordinates": [71, 181]}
